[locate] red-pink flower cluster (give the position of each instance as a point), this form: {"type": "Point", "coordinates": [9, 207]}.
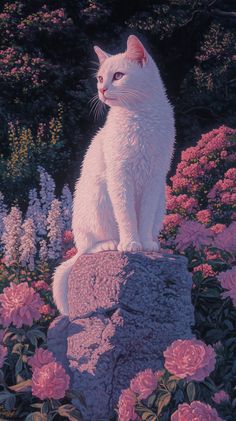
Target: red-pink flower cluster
{"type": "Point", "coordinates": [145, 383]}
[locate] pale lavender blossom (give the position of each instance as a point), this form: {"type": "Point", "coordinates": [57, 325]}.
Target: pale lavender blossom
{"type": "Point", "coordinates": [43, 251]}
{"type": "Point", "coordinates": [28, 244]}
{"type": "Point", "coordinates": [3, 213]}
{"type": "Point", "coordinates": [47, 190]}
{"type": "Point", "coordinates": [55, 228]}
{"type": "Point", "coordinates": [11, 235]}
{"type": "Point", "coordinates": [35, 212]}
{"type": "Point", "coordinates": [66, 205]}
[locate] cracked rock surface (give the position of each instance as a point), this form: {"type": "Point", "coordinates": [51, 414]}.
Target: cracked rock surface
{"type": "Point", "coordinates": [124, 310]}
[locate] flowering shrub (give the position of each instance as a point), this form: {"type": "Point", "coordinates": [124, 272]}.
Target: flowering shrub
{"type": "Point", "coordinates": [198, 383]}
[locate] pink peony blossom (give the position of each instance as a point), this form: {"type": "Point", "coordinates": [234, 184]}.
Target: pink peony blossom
{"type": "Point", "coordinates": [205, 269]}
{"type": "Point", "coordinates": [190, 359]}
{"type": "Point", "coordinates": [196, 411]}
{"type": "Point", "coordinates": [50, 381]}
{"type": "Point", "coordinates": [3, 354]}
{"type": "Point", "coordinates": [126, 406]}
{"type": "Point", "coordinates": [220, 396]}
{"type": "Point", "coordinates": [192, 233]}
{"type": "Point", "coordinates": [203, 216]}
{"type": "Point", "coordinates": [20, 305]}
{"type": "Point", "coordinates": [144, 383]}
{"type": "Point", "coordinates": [41, 357]}
{"type": "Point", "coordinates": [226, 240]}
{"type": "Point", "coordinates": [228, 281]}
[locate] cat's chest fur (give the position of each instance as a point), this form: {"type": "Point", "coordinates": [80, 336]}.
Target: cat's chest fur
{"type": "Point", "coordinates": [130, 143]}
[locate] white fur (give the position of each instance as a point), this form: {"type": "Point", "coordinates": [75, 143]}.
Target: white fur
{"type": "Point", "coordinates": [119, 200]}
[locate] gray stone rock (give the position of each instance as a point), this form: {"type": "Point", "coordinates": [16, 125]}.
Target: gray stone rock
{"type": "Point", "coordinates": [124, 310]}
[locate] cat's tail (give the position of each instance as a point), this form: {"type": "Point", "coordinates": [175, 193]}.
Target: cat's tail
{"type": "Point", "coordinates": [60, 284]}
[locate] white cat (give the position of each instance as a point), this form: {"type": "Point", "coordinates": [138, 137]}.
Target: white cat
{"type": "Point", "coordinates": [119, 200]}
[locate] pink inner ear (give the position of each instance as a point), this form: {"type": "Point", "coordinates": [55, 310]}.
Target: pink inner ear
{"type": "Point", "coordinates": [135, 50]}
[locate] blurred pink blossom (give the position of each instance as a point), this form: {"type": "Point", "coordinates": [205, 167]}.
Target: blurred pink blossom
{"type": "Point", "coordinates": [217, 228]}
{"type": "Point", "coordinates": [126, 406]}
{"type": "Point", "coordinates": [226, 240]}
{"type": "Point", "coordinates": [190, 359]}
{"type": "Point", "coordinates": [228, 281]}
{"type": "Point", "coordinates": [220, 396]}
{"type": "Point", "coordinates": [192, 233]}
{"type": "Point", "coordinates": [144, 383]}
{"type": "Point", "coordinates": [40, 358]}
{"type": "Point", "coordinates": [196, 411]}
{"type": "Point", "coordinates": [50, 381]}
{"type": "Point", "coordinates": [20, 305]}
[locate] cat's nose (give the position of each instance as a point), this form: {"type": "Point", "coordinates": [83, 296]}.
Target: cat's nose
{"type": "Point", "coordinates": [103, 90]}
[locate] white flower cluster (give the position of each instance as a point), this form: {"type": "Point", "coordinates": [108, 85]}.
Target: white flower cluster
{"type": "Point", "coordinates": [40, 236]}
{"type": "Point", "coordinates": [12, 235]}
{"type": "Point", "coordinates": [28, 244]}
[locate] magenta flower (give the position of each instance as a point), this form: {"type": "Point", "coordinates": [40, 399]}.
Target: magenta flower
{"type": "Point", "coordinates": [20, 305]}
{"type": "Point", "coordinates": [194, 234]}
{"type": "Point", "coordinates": [50, 381]}
{"type": "Point", "coordinates": [3, 354]}
{"type": "Point", "coordinates": [144, 383]}
{"type": "Point", "coordinates": [196, 411]}
{"type": "Point", "coordinates": [41, 357]}
{"type": "Point", "coordinates": [126, 406]}
{"type": "Point", "coordinates": [46, 309]}
{"type": "Point", "coordinates": [190, 359]}
{"type": "Point", "coordinates": [228, 281]}
{"type": "Point", "coordinates": [220, 396]}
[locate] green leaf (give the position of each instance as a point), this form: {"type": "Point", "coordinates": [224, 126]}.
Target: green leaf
{"type": "Point", "coordinates": [151, 400]}
{"type": "Point", "coordinates": [191, 391]}
{"type": "Point", "coordinates": [171, 386]}
{"type": "Point", "coordinates": [162, 402]}
{"type": "Point", "coordinates": [21, 387]}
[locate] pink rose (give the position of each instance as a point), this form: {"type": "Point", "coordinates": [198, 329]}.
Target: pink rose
{"type": "Point", "coordinates": [70, 253]}
{"type": "Point", "coordinates": [41, 357]}
{"type": "Point", "coordinates": [220, 396]}
{"type": "Point", "coordinates": [217, 228]}
{"type": "Point", "coordinates": [50, 381]}
{"type": "Point", "coordinates": [19, 305]}
{"type": "Point", "coordinates": [68, 236]}
{"type": "Point", "coordinates": [126, 406]}
{"type": "Point", "coordinates": [228, 281]}
{"type": "Point", "coordinates": [144, 383]}
{"type": "Point", "coordinates": [196, 411]}
{"type": "Point", "coordinates": [190, 359]}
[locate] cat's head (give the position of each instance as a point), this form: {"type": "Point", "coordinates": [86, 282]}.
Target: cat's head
{"type": "Point", "coordinates": [126, 79]}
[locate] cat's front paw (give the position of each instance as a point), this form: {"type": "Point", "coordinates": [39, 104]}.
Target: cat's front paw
{"type": "Point", "coordinates": [150, 245]}
{"type": "Point", "coordinates": [130, 246]}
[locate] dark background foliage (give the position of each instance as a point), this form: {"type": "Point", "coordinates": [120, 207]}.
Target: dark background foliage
{"type": "Point", "coordinates": [47, 61]}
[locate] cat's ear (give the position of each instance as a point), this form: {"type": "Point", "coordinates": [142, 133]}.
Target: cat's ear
{"type": "Point", "coordinates": [101, 54]}
{"type": "Point", "coordinates": [136, 51]}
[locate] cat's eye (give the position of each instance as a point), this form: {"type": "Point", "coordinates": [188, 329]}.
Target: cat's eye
{"type": "Point", "coordinates": [118, 75]}
{"type": "Point", "coordinates": [100, 78]}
